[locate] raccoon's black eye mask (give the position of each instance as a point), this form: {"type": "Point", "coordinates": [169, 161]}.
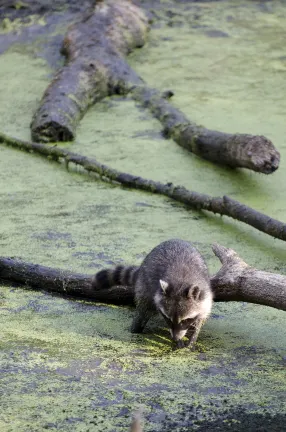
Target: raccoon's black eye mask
{"type": "Point", "coordinates": [188, 322]}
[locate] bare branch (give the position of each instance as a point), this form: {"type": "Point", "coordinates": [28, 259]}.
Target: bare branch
{"type": "Point", "coordinates": [223, 206]}
{"type": "Point", "coordinates": [235, 150]}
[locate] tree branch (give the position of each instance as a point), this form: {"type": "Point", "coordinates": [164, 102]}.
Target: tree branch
{"type": "Point", "coordinates": [235, 150]}
{"type": "Point", "coordinates": [235, 281]}
{"type": "Point", "coordinates": [223, 206]}
{"type": "Point", "coordinates": [95, 68]}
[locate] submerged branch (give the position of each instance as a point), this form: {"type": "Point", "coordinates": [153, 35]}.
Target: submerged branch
{"type": "Point", "coordinates": [224, 206]}
{"type": "Point", "coordinates": [235, 281]}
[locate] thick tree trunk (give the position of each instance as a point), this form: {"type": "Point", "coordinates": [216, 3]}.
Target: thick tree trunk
{"type": "Point", "coordinates": [223, 206]}
{"type": "Point", "coordinates": [235, 281]}
{"type": "Point", "coordinates": [95, 68]}
{"type": "Point", "coordinates": [94, 50]}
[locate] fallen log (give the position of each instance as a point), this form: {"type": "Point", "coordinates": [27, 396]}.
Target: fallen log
{"type": "Point", "coordinates": [223, 206]}
{"type": "Point", "coordinates": [59, 281]}
{"type": "Point", "coordinates": [253, 152]}
{"type": "Point", "coordinates": [95, 68]}
{"type": "Point", "coordinates": [235, 281]}
{"type": "Point", "coordinates": [94, 50]}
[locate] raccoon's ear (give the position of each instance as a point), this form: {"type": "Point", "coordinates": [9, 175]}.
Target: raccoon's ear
{"type": "Point", "coordinates": [194, 292]}
{"type": "Point", "coordinates": [164, 285]}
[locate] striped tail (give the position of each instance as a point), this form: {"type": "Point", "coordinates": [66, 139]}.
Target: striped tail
{"type": "Point", "coordinates": [119, 275]}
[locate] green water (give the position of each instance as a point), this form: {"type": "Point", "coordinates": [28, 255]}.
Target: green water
{"type": "Point", "coordinates": [74, 366]}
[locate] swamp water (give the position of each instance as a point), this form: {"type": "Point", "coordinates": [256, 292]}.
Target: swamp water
{"type": "Point", "coordinates": [72, 365]}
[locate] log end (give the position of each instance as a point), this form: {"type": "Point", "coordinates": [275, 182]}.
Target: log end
{"type": "Point", "coordinates": [226, 282]}
{"type": "Point", "coordinates": [257, 153]}
{"type": "Point", "coordinates": [51, 131]}
{"type": "Point", "coordinates": [266, 157]}
{"type": "Point", "coordinates": [222, 253]}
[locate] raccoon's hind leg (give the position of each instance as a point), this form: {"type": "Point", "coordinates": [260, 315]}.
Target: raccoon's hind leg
{"type": "Point", "coordinates": [193, 332]}
{"type": "Point", "coordinates": [142, 316]}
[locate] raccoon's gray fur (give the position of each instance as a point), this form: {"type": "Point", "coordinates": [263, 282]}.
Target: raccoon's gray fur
{"type": "Point", "coordinates": [173, 280]}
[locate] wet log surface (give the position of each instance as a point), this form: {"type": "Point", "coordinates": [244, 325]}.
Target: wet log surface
{"type": "Point", "coordinates": [221, 205]}
{"type": "Point", "coordinates": [95, 50]}
{"type": "Point", "coordinates": [235, 281]}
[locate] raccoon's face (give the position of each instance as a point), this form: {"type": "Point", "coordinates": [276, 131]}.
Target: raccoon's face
{"type": "Point", "coordinates": [181, 306]}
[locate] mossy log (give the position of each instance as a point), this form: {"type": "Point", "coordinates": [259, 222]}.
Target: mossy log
{"type": "Point", "coordinates": [94, 50]}
{"type": "Point", "coordinates": [235, 281]}
{"type": "Point", "coordinates": [95, 68]}
{"type": "Point", "coordinates": [221, 205]}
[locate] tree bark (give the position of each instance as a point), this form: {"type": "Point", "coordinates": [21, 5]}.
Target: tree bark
{"type": "Point", "coordinates": [94, 50]}
{"type": "Point", "coordinates": [95, 68]}
{"type": "Point", "coordinates": [235, 281]}
{"type": "Point", "coordinates": [60, 282]}
{"type": "Point", "coordinates": [254, 152]}
{"type": "Point", "coordinates": [223, 206]}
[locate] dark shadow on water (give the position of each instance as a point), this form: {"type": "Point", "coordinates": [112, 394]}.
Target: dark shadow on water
{"type": "Point", "coordinates": [242, 421]}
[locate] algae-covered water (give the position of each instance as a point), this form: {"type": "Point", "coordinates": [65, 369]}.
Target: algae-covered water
{"type": "Point", "coordinates": [74, 366]}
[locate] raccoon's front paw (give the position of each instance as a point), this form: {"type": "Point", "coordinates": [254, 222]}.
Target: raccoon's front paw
{"type": "Point", "coordinates": [180, 344]}
{"type": "Point", "coordinates": [191, 345]}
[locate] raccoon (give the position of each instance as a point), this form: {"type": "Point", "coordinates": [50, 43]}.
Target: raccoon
{"type": "Point", "coordinates": [173, 280]}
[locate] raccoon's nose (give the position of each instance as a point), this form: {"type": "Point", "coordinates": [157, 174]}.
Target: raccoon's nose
{"type": "Point", "coordinates": [175, 335]}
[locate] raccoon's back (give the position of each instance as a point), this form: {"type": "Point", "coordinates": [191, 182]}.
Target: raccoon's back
{"type": "Point", "coordinates": [172, 260]}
